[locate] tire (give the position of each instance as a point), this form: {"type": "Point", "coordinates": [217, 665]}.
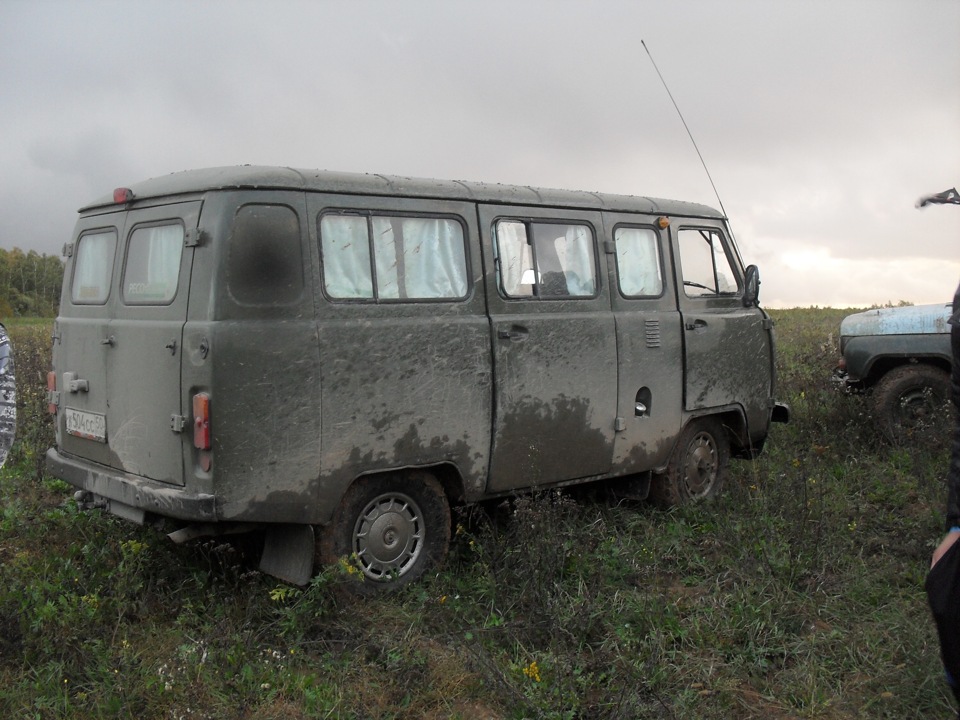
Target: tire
{"type": "Point", "coordinates": [696, 469]}
{"type": "Point", "coordinates": [908, 397]}
{"type": "Point", "coordinates": [393, 528]}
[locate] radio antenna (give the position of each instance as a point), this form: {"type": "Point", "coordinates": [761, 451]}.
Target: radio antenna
{"type": "Point", "coordinates": [689, 134]}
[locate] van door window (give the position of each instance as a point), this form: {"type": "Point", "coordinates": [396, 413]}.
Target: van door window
{"type": "Point", "coordinates": [93, 268]}
{"type": "Point", "coordinates": [707, 271]}
{"type": "Point", "coordinates": [413, 258]}
{"type": "Point", "coordinates": [545, 260]}
{"type": "Point", "coordinates": [638, 262]}
{"type": "Point", "coordinates": [152, 269]}
{"type": "Point", "coordinates": [265, 263]}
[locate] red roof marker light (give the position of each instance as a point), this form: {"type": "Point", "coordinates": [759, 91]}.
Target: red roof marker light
{"type": "Point", "coordinates": [122, 195]}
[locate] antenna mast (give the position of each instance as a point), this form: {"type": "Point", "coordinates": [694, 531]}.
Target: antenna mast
{"type": "Point", "coordinates": [689, 134]}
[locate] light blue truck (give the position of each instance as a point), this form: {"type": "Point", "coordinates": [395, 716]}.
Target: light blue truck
{"type": "Point", "coordinates": [900, 355]}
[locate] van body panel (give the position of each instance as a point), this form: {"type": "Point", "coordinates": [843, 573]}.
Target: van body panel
{"type": "Point", "coordinates": [555, 369]}
{"type": "Point", "coordinates": [405, 383]}
{"type": "Point", "coordinates": [261, 360]}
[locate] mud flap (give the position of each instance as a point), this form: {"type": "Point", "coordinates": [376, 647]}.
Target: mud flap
{"type": "Point", "coordinates": [288, 553]}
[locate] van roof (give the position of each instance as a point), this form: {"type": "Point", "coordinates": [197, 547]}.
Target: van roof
{"type": "Point", "coordinates": [242, 177]}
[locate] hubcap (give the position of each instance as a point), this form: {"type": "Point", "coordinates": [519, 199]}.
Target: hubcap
{"type": "Point", "coordinates": [388, 536]}
{"type": "Point", "coordinates": [702, 465]}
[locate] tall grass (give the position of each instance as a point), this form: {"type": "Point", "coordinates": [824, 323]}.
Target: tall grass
{"type": "Point", "coordinates": [798, 594]}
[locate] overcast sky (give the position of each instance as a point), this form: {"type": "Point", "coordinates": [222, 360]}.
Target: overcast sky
{"type": "Point", "coordinates": [821, 123]}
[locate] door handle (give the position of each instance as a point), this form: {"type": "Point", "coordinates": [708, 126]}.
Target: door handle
{"type": "Point", "coordinates": [74, 383]}
{"type": "Point", "coordinates": [514, 333]}
{"type": "Point", "coordinates": [697, 324]}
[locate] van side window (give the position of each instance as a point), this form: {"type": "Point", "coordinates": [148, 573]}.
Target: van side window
{"type": "Point", "coordinates": [265, 261]}
{"type": "Point", "coordinates": [638, 262]}
{"type": "Point", "coordinates": [413, 258]}
{"type": "Point", "coordinates": [545, 260]}
{"type": "Point", "coordinates": [152, 269]}
{"type": "Point", "coordinates": [706, 269]}
{"type": "Point", "coordinates": [93, 268]}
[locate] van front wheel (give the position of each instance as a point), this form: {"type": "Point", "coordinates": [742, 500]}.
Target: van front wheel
{"type": "Point", "coordinates": [390, 528]}
{"type": "Point", "coordinates": [697, 467]}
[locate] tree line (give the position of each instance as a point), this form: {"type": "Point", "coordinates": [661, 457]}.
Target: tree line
{"type": "Point", "coordinates": [29, 284]}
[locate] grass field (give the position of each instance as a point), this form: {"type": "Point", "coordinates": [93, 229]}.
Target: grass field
{"type": "Point", "coordinates": [798, 594]}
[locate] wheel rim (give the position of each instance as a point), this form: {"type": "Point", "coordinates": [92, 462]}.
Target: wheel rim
{"type": "Point", "coordinates": [915, 406]}
{"type": "Point", "coordinates": [702, 465]}
{"type": "Point", "coordinates": [388, 537]}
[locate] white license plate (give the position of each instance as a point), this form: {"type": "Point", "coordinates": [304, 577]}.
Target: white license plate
{"type": "Point", "coordinates": [92, 426]}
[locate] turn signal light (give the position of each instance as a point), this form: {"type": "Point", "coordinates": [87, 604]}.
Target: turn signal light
{"type": "Point", "coordinates": [51, 392]}
{"type": "Point", "coordinates": [201, 421]}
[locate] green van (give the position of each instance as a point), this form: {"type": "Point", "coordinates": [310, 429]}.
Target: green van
{"type": "Point", "coordinates": [337, 359]}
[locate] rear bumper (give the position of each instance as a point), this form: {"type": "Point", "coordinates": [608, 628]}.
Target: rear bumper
{"type": "Point", "coordinates": [131, 490]}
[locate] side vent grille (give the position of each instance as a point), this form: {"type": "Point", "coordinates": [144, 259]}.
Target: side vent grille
{"type": "Point", "coordinates": [652, 332]}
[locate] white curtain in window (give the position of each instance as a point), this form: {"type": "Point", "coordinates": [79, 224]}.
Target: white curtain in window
{"type": "Point", "coordinates": [165, 245]}
{"type": "Point", "coordinates": [575, 250]}
{"type": "Point", "coordinates": [433, 256]}
{"type": "Point", "coordinates": [514, 257]}
{"type": "Point", "coordinates": [346, 257]}
{"type": "Point", "coordinates": [638, 264]}
{"type": "Point", "coordinates": [94, 268]}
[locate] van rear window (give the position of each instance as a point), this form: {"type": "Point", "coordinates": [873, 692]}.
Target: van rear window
{"type": "Point", "coordinates": [152, 270]}
{"type": "Point", "coordinates": [413, 258]}
{"type": "Point", "coordinates": [265, 264]}
{"type": "Point", "coordinates": [93, 268]}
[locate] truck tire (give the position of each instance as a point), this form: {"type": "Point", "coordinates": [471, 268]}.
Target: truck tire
{"type": "Point", "coordinates": [908, 397]}
{"type": "Point", "coordinates": [391, 528]}
{"type": "Point", "coordinates": [697, 467]}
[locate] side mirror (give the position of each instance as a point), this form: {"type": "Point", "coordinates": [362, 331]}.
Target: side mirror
{"type": "Point", "coordinates": [751, 290]}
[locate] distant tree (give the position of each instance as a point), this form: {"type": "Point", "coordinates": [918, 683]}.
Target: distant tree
{"type": "Point", "coordinates": [30, 283]}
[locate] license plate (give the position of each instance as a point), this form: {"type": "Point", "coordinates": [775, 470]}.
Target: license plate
{"type": "Point", "coordinates": [92, 426]}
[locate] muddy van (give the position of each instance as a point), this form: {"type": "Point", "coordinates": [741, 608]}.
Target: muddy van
{"type": "Point", "coordinates": [337, 359]}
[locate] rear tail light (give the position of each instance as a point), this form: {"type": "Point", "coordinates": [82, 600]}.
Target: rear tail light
{"type": "Point", "coordinates": [201, 421]}
{"type": "Point", "coordinates": [52, 392]}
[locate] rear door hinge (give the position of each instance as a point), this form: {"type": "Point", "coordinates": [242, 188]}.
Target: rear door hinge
{"type": "Point", "coordinates": [177, 423]}
{"type": "Point", "coordinates": [67, 250]}
{"type": "Point", "coordinates": [193, 237]}
{"type": "Point", "coordinates": [768, 323]}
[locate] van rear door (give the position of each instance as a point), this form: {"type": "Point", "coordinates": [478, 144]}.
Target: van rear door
{"type": "Point", "coordinates": [120, 370]}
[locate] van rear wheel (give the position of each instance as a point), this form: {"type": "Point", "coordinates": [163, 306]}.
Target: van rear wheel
{"type": "Point", "coordinates": [391, 528]}
{"type": "Point", "coordinates": [697, 467]}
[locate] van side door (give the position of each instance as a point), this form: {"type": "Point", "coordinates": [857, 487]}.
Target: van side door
{"type": "Point", "coordinates": [728, 349]}
{"type": "Point", "coordinates": [554, 346]}
{"type": "Point", "coordinates": [649, 342]}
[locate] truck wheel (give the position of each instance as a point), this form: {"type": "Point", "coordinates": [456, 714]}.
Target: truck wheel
{"type": "Point", "coordinates": [696, 468]}
{"type": "Point", "coordinates": [392, 528]}
{"type": "Point", "coordinates": [907, 397]}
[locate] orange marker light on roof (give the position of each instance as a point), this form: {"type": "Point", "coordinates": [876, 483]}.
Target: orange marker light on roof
{"type": "Point", "coordinates": [663, 222]}
{"type": "Point", "coordinates": [122, 195]}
